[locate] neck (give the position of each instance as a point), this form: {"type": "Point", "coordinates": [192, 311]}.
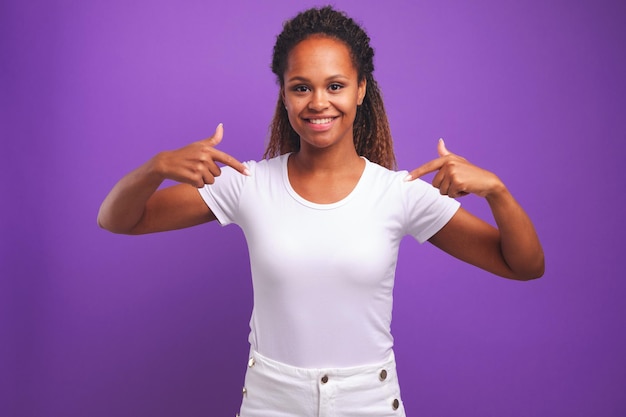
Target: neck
{"type": "Point", "coordinates": [327, 160]}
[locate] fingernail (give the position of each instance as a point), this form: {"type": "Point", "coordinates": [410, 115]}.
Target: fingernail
{"type": "Point", "coordinates": [246, 172]}
{"type": "Point", "coordinates": [408, 178]}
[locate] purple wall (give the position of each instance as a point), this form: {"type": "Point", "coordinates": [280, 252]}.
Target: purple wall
{"type": "Point", "coordinates": [94, 324]}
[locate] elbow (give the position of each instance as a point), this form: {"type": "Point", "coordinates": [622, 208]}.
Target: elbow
{"type": "Point", "coordinates": [116, 230]}
{"type": "Point", "coordinates": [529, 276]}
{"type": "Point", "coordinates": [107, 223]}
{"type": "Point", "coordinates": [531, 272]}
{"type": "Point", "coordinates": [104, 221]}
{"type": "Point", "coordinates": [101, 221]}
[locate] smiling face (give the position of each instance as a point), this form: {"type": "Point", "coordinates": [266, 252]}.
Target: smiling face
{"type": "Point", "coordinates": [321, 92]}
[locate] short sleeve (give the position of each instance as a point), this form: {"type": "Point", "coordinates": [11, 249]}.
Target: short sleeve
{"type": "Point", "coordinates": [426, 210]}
{"type": "Point", "coordinates": [223, 196]}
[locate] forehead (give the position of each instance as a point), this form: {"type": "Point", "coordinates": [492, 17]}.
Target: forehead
{"type": "Point", "coordinates": [319, 54]}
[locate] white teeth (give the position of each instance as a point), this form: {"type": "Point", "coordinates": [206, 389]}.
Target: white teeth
{"type": "Point", "coordinates": [320, 121]}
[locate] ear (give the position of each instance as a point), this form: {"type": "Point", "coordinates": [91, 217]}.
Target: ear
{"type": "Point", "coordinates": [361, 91]}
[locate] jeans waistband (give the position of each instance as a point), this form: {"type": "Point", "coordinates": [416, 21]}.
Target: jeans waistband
{"type": "Point", "coordinates": [256, 359]}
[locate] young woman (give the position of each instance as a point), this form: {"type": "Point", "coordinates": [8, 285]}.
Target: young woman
{"type": "Point", "coordinates": [323, 216]}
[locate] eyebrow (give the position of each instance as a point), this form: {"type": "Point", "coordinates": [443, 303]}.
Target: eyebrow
{"type": "Point", "coordinates": [299, 78]}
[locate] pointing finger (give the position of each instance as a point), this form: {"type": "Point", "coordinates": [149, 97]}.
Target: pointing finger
{"type": "Point", "coordinates": [226, 159]}
{"type": "Point", "coordinates": [428, 167]}
{"type": "Point", "coordinates": [222, 156]}
{"type": "Point", "coordinates": [431, 166]}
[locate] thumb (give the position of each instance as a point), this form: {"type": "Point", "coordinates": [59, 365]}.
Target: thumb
{"type": "Point", "coordinates": [441, 148]}
{"type": "Point", "coordinates": [217, 136]}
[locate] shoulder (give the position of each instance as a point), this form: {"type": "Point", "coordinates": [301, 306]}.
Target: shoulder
{"type": "Point", "coordinates": [386, 177]}
{"type": "Point", "coordinates": [394, 184]}
{"type": "Point", "coordinates": [379, 172]}
{"type": "Point", "coordinates": [264, 167]}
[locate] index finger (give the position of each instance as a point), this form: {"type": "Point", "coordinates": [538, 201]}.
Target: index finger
{"type": "Point", "coordinates": [226, 159]}
{"type": "Point", "coordinates": [428, 167]}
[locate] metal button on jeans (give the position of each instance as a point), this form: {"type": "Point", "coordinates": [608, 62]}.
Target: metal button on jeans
{"type": "Point", "coordinates": [324, 379]}
{"type": "Point", "coordinates": [383, 375]}
{"type": "Point", "coordinates": [395, 404]}
{"type": "Point", "coordinates": [251, 362]}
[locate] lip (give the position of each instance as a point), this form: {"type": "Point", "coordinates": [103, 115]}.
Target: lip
{"type": "Point", "coordinates": [321, 122]}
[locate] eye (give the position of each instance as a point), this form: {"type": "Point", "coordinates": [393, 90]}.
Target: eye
{"type": "Point", "coordinates": [335, 87]}
{"type": "Point", "coordinates": [300, 88]}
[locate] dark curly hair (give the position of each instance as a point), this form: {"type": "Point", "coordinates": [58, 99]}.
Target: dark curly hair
{"type": "Point", "coordinates": [372, 136]}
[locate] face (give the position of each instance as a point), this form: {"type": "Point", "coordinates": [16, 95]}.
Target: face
{"type": "Point", "coordinates": [321, 92]}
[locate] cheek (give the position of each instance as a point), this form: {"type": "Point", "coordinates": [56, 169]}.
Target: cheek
{"type": "Point", "coordinates": [292, 113]}
{"type": "Point", "coordinates": [290, 103]}
{"type": "Point", "coordinates": [348, 104]}
{"type": "Point", "coordinates": [291, 109]}
{"type": "Point", "coordinates": [295, 106]}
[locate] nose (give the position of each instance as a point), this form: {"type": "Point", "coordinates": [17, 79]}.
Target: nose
{"type": "Point", "coordinates": [319, 101]}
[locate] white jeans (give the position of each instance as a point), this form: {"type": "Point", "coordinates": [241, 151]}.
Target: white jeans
{"type": "Point", "coordinates": [274, 389]}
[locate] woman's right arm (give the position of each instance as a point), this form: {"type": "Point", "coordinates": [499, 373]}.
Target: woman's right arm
{"type": "Point", "coordinates": [135, 205]}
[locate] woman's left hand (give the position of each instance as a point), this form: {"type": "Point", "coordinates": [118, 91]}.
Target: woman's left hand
{"type": "Point", "coordinates": [456, 176]}
{"type": "Point", "coordinates": [513, 249]}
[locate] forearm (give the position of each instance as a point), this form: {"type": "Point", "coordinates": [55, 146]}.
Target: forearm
{"type": "Point", "coordinates": [519, 242]}
{"type": "Point", "coordinates": [124, 206]}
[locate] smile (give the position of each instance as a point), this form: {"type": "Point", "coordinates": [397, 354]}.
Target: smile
{"type": "Point", "coordinates": [321, 121]}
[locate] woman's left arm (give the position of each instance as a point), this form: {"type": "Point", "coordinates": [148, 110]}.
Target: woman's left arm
{"type": "Point", "coordinates": [513, 249]}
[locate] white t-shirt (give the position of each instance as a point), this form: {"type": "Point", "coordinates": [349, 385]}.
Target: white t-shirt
{"type": "Point", "coordinates": [323, 274]}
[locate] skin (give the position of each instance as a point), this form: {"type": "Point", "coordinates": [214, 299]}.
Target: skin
{"type": "Point", "coordinates": [513, 249]}
{"type": "Point", "coordinates": [321, 83]}
{"type": "Point", "coordinates": [134, 206]}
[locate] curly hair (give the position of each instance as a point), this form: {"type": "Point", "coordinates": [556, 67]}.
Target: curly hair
{"type": "Point", "coordinates": [372, 135]}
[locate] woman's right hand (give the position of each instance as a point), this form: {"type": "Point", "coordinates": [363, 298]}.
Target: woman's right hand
{"type": "Point", "coordinates": [196, 163]}
{"type": "Point", "coordinates": [136, 205]}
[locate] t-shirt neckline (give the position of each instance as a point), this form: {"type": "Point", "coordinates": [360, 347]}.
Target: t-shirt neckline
{"type": "Point", "coordinates": [321, 206]}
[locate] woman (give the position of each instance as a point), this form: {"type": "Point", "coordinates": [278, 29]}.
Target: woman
{"type": "Point", "coordinates": [323, 217]}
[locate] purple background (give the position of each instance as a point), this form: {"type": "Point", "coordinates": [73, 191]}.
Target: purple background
{"type": "Point", "coordinates": [100, 325]}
